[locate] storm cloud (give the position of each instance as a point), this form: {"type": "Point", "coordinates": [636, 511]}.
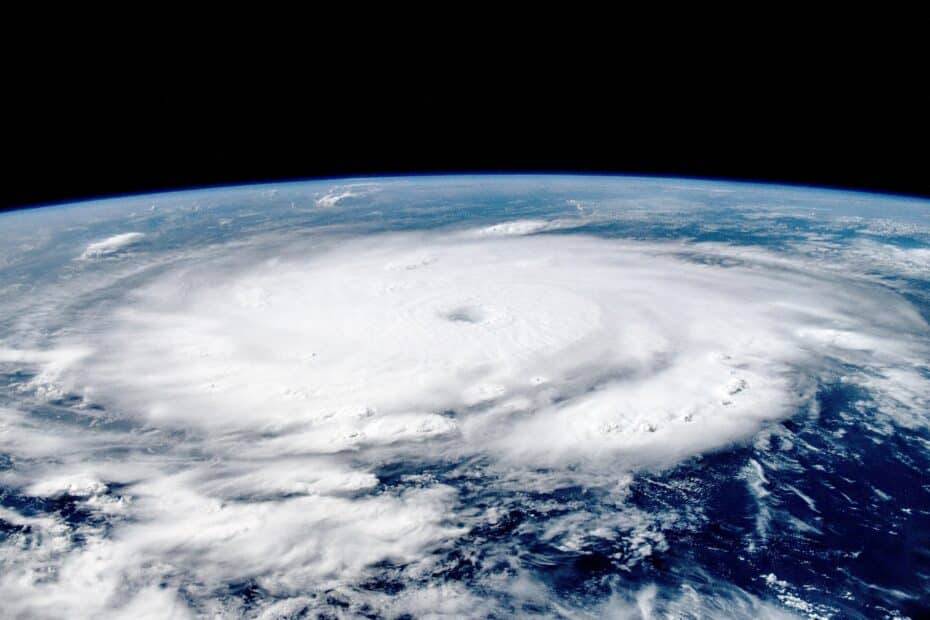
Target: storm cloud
{"type": "Point", "coordinates": [238, 411]}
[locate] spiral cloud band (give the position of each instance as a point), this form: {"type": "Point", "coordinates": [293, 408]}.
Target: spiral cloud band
{"type": "Point", "coordinates": [242, 413]}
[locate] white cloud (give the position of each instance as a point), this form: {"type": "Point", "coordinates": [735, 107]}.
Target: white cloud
{"type": "Point", "coordinates": [355, 347]}
{"type": "Point", "coordinates": [258, 398]}
{"type": "Point", "coordinates": [332, 198]}
{"type": "Point", "coordinates": [111, 245]}
{"type": "Point", "coordinates": [339, 193]}
{"type": "Point", "coordinates": [519, 227]}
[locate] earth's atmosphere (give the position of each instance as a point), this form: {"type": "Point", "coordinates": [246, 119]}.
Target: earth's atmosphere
{"type": "Point", "coordinates": [490, 396]}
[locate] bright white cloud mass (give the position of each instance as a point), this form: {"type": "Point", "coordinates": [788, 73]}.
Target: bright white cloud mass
{"type": "Point", "coordinates": [239, 412]}
{"type": "Point", "coordinates": [111, 245]}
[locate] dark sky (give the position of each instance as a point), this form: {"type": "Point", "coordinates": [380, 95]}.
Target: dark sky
{"type": "Point", "coordinates": [75, 138]}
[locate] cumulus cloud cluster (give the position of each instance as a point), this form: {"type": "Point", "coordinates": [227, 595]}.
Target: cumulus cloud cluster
{"type": "Point", "coordinates": [239, 411]}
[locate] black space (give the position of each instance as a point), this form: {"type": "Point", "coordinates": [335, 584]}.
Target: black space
{"type": "Point", "coordinates": [73, 137]}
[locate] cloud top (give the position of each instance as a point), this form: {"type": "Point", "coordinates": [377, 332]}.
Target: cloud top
{"type": "Point", "coordinates": [111, 245]}
{"type": "Point", "coordinates": [241, 415]}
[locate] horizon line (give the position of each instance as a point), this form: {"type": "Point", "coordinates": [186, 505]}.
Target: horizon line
{"type": "Point", "coordinates": [454, 173]}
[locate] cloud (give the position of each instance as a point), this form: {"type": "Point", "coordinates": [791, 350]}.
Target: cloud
{"type": "Point", "coordinates": [111, 245]}
{"type": "Point", "coordinates": [519, 227]}
{"type": "Point", "coordinates": [339, 193]}
{"type": "Point", "coordinates": [354, 347]}
{"type": "Point", "coordinates": [240, 414]}
{"type": "Point", "coordinates": [332, 198]}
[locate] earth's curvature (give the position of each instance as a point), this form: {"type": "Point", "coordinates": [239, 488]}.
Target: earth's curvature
{"type": "Point", "coordinates": [468, 397]}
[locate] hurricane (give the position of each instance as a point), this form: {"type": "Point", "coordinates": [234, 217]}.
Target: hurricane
{"type": "Point", "coordinates": [467, 397]}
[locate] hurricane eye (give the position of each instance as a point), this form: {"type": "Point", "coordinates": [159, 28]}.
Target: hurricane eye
{"type": "Point", "coordinates": [465, 314]}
